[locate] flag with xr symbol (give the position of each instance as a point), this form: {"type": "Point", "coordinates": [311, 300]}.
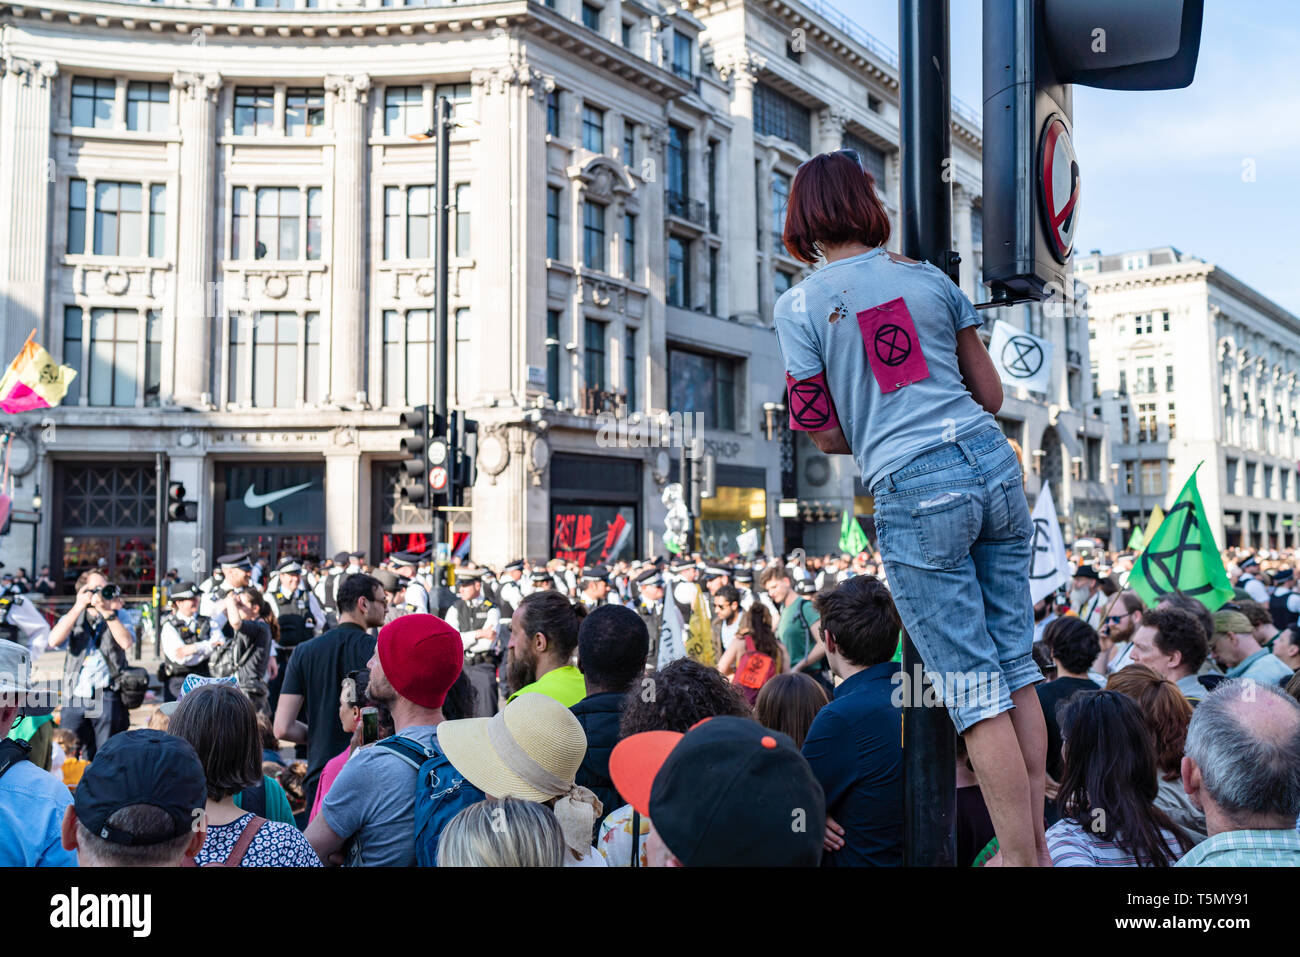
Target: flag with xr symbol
{"type": "Point", "coordinates": [1020, 358]}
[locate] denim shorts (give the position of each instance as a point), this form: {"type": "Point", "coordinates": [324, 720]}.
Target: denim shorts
{"type": "Point", "coordinates": [954, 530]}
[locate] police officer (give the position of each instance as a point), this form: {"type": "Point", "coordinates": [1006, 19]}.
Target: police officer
{"type": "Point", "coordinates": [22, 622]}
{"type": "Point", "coordinates": [236, 570]}
{"type": "Point", "coordinates": [188, 639]}
{"type": "Point", "coordinates": [542, 580]}
{"type": "Point", "coordinates": [511, 591]}
{"type": "Point", "coordinates": [1250, 581]}
{"type": "Point", "coordinates": [1284, 603]}
{"type": "Point", "coordinates": [650, 606]}
{"type": "Point", "coordinates": [744, 577]}
{"type": "Point", "coordinates": [394, 590]}
{"type": "Point", "coordinates": [416, 600]}
{"type": "Point", "coordinates": [715, 577]}
{"type": "Point", "coordinates": [477, 619]}
{"type": "Point", "coordinates": [299, 615]}
{"type": "Point", "coordinates": [595, 588]}
{"type": "Point", "coordinates": [684, 587]}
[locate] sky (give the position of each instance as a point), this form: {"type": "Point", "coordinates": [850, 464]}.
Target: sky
{"type": "Point", "coordinates": [1210, 169]}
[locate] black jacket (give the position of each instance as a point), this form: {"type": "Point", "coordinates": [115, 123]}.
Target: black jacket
{"type": "Point", "coordinates": [599, 715]}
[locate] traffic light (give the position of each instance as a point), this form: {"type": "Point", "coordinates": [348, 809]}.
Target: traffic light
{"type": "Point", "coordinates": [1033, 51]}
{"type": "Point", "coordinates": [466, 436]}
{"type": "Point", "coordinates": [424, 450]}
{"type": "Point", "coordinates": [179, 510]}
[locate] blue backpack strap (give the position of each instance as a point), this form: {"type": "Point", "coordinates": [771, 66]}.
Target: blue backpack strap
{"type": "Point", "coordinates": [406, 749]}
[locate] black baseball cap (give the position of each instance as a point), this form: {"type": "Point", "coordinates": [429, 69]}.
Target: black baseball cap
{"type": "Point", "coordinates": [142, 767]}
{"type": "Point", "coordinates": [728, 793]}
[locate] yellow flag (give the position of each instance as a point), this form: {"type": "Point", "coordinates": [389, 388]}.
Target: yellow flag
{"type": "Point", "coordinates": [699, 636]}
{"type": "Point", "coordinates": [1157, 516]}
{"type": "Point", "coordinates": [34, 381]}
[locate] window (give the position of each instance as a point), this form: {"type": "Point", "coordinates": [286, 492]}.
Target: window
{"type": "Point", "coordinates": [1231, 476]}
{"type": "Point", "coordinates": [315, 202]}
{"type": "Point", "coordinates": [784, 280]}
{"type": "Point", "coordinates": [594, 354]}
{"type": "Point", "coordinates": [1169, 378]}
{"type": "Point", "coordinates": [112, 376]}
{"type": "Point", "coordinates": [461, 96]}
{"type": "Point", "coordinates": [1268, 481]}
{"type": "Point", "coordinates": [278, 210]}
{"type": "Point", "coordinates": [254, 111]}
{"type": "Point", "coordinates": [780, 197]}
{"type": "Point", "coordinates": [683, 56]}
{"type": "Point", "coordinates": [92, 102]}
{"type": "Point", "coordinates": [552, 222]}
{"type": "Point", "coordinates": [414, 238]}
{"type": "Point", "coordinates": [593, 129]}
{"type": "Point", "coordinates": [873, 159]}
{"type": "Point", "coordinates": [146, 106]}
{"type": "Point", "coordinates": [629, 246]}
{"type": "Point", "coordinates": [1153, 482]}
{"type": "Point", "coordinates": [629, 142]}
{"type": "Point", "coordinates": [275, 360]}
{"type": "Point", "coordinates": [593, 236]}
{"type": "Point", "coordinates": [119, 224]}
{"type": "Point", "coordinates": [553, 354]}
{"type": "Point", "coordinates": [553, 113]}
{"type": "Point", "coordinates": [462, 219]}
{"type": "Point", "coordinates": [1250, 478]}
{"type": "Point", "coordinates": [627, 35]}
{"type": "Point", "coordinates": [72, 351]}
{"type": "Point", "coordinates": [157, 220]}
{"type": "Point", "coordinates": [1142, 324]}
{"type": "Point", "coordinates": [591, 16]}
{"type": "Point", "coordinates": [1127, 435]}
{"type": "Point", "coordinates": [1164, 322]}
{"type": "Point", "coordinates": [1173, 422]}
{"type": "Point", "coordinates": [1123, 382]}
{"type": "Point", "coordinates": [678, 162]}
{"type": "Point", "coordinates": [76, 217]}
{"type": "Point", "coordinates": [1145, 381]}
{"type": "Point", "coordinates": [679, 272]}
{"type": "Point", "coordinates": [776, 114]}
{"type": "Point", "coordinates": [711, 173]}
{"type": "Point", "coordinates": [1283, 477]}
{"type": "Point", "coordinates": [1147, 422]}
{"type": "Point", "coordinates": [404, 111]}
{"type": "Point", "coordinates": [408, 350]}
{"type": "Point", "coordinates": [313, 374]}
{"type": "Point", "coordinates": [705, 384]}
{"type": "Point", "coordinates": [713, 280]}
{"type": "Point", "coordinates": [629, 367]}
{"type": "Point", "coordinates": [304, 111]}
{"type": "Point", "coordinates": [464, 354]}
{"type": "Point", "coordinates": [1129, 469]}
{"type": "Point", "coordinates": [1096, 382]}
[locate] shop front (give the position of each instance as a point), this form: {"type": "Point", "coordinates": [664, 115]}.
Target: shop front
{"type": "Point", "coordinates": [272, 511]}
{"type": "Point", "coordinates": [105, 520]}
{"type": "Point", "coordinates": [595, 508]}
{"type": "Point", "coordinates": [739, 506]}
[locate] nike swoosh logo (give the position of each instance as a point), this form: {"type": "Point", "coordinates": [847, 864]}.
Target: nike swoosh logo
{"type": "Point", "coordinates": [253, 500]}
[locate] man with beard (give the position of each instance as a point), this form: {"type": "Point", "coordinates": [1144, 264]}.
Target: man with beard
{"type": "Point", "coordinates": [477, 618]}
{"type": "Point", "coordinates": [367, 818]}
{"type": "Point", "coordinates": [1086, 598]}
{"type": "Point", "coordinates": [1044, 615]}
{"type": "Point", "coordinates": [543, 637]}
{"type": "Point", "coordinates": [236, 569]}
{"type": "Point", "coordinates": [1116, 633]}
{"type": "Point", "coordinates": [317, 669]}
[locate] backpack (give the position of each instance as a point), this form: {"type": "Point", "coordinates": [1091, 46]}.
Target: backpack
{"type": "Point", "coordinates": [441, 792]}
{"type": "Point", "coordinates": [754, 668]}
{"type": "Point", "coordinates": [237, 852]}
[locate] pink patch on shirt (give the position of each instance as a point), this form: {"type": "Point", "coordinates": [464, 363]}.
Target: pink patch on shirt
{"type": "Point", "coordinates": [893, 346]}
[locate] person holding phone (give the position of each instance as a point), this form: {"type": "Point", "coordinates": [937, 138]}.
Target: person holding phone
{"type": "Point", "coordinates": [366, 720]}
{"type": "Point", "coordinates": [884, 362]}
{"type": "Point", "coordinates": [91, 630]}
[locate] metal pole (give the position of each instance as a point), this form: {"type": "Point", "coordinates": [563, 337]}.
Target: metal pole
{"type": "Point", "coordinates": [159, 551]}
{"type": "Point", "coordinates": [442, 111]}
{"type": "Point", "coordinates": [929, 755]}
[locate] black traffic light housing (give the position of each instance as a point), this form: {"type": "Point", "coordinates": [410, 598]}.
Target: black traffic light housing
{"type": "Point", "coordinates": [178, 509]}
{"type": "Point", "coordinates": [419, 447]}
{"type": "Point", "coordinates": [1033, 51]}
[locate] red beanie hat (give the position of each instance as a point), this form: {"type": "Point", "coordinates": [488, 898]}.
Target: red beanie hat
{"type": "Point", "coordinates": [422, 657]}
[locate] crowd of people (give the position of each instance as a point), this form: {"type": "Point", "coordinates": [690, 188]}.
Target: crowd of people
{"type": "Point", "coordinates": [647, 713]}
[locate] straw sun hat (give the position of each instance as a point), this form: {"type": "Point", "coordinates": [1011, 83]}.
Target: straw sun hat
{"type": "Point", "coordinates": [531, 750]}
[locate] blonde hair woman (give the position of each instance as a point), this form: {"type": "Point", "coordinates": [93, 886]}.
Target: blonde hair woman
{"type": "Point", "coordinates": [502, 832]}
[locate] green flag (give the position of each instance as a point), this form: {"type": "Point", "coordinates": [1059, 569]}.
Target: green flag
{"type": "Point", "coordinates": [852, 538]}
{"type": "Point", "coordinates": [1182, 557]}
{"type": "Point", "coordinates": [1135, 540]}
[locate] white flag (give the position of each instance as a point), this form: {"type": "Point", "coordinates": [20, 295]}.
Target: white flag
{"type": "Point", "coordinates": [1020, 358]}
{"type": "Point", "coordinates": [672, 639]}
{"type": "Point", "coordinates": [1048, 568]}
{"type": "Point", "coordinates": [747, 542]}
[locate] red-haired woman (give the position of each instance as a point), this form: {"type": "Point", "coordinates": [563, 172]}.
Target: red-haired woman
{"type": "Point", "coordinates": [884, 362]}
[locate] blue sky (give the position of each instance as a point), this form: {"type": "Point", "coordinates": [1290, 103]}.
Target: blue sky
{"type": "Point", "coordinates": [1166, 168]}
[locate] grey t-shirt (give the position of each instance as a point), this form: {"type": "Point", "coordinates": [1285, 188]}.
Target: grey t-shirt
{"type": "Point", "coordinates": [908, 396]}
{"type": "Point", "coordinates": [372, 805]}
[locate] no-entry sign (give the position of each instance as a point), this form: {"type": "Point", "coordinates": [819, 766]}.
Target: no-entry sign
{"type": "Point", "coordinates": [438, 478]}
{"type": "Point", "coordinates": [1058, 182]}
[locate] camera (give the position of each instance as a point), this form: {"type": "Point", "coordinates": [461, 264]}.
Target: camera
{"type": "Point", "coordinates": [109, 592]}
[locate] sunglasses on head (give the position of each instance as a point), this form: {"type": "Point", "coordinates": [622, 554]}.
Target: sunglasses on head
{"type": "Point", "coordinates": [851, 154]}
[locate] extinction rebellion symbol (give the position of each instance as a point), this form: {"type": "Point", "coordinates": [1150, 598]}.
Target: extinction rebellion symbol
{"type": "Point", "coordinates": [893, 344]}
{"type": "Point", "coordinates": [1022, 357]}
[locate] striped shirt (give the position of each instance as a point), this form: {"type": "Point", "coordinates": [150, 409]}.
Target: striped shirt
{"type": "Point", "coordinates": [1073, 845]}
{"type": "Point", "coordinates": [1257, 848]}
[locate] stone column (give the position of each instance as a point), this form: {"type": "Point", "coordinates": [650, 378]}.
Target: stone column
{"type": "Point", "coordinates": [28, 172]}
{"type": "Point", "coordinates": [654, 325]}
{"type": "Point", "coordinates": [348, 263]}
{"type": "Point", "coordinates": [742, 242]}
{"type": "Point", "coordinates": [194, 210]}
{"type": "Point", "coordinates": [961, 225]}
{"type": "Point", "coordinates": [830, 129]}
{"type": "Point", "coordinates": [343, 492]}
